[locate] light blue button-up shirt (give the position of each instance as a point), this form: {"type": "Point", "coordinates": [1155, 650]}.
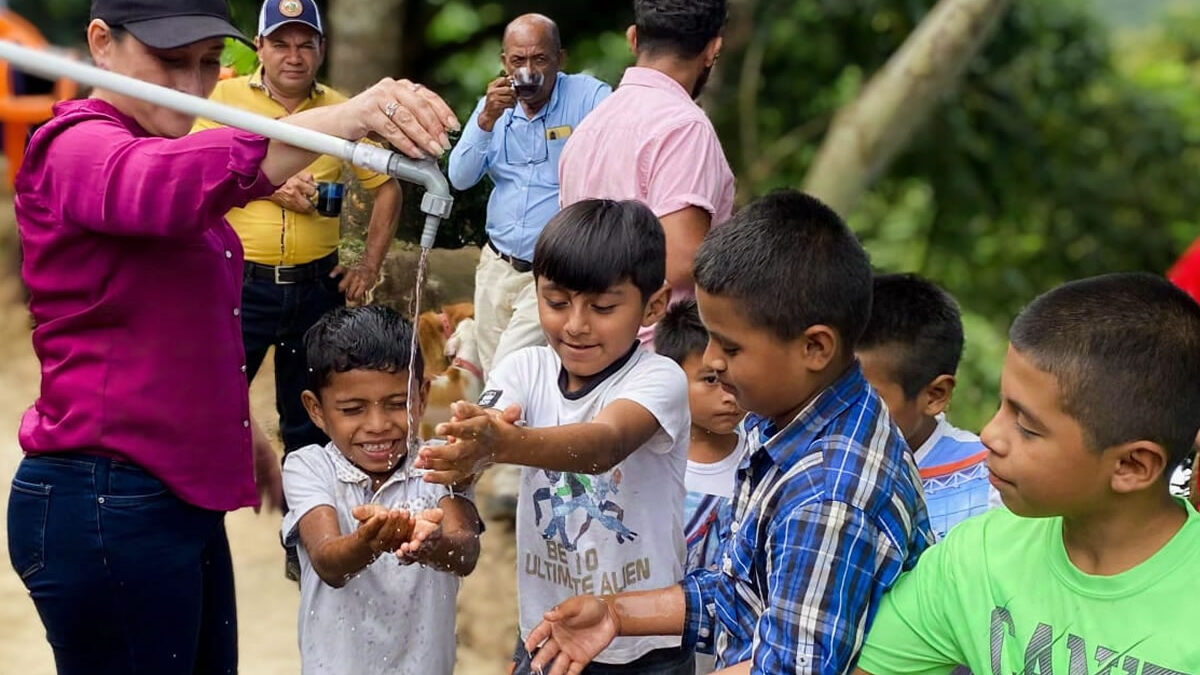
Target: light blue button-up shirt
{"type": "Point", "coordinates": [522, 161]}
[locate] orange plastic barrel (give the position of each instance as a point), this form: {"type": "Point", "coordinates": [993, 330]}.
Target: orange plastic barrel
{"type": "Point", "coordinates": [18, 112]}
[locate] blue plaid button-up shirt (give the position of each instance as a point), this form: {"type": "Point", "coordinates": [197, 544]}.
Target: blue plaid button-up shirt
{"type": "Point", "coordinates": [827, 513]}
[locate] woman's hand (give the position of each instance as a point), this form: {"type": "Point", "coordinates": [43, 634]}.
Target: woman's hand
{"type": "Point", "coordinates": [409, 116]}
{"type": "Point", "coordinates": [405, 114]}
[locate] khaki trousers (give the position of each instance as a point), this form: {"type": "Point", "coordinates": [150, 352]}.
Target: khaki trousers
{"type": "Point", "coordinates": [506, 317]}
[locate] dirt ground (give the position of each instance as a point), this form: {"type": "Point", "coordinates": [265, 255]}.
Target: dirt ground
{"type": "Point", "coordinates": [267, 601]}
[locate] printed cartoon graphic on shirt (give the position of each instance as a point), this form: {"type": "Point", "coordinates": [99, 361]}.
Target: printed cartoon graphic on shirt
{"type": "Point", "coordinates": [1083, 657]}
{"type": "Point", "coordinates": [565, 511]}
{"type": "Point", "coordinates": [571, 492]}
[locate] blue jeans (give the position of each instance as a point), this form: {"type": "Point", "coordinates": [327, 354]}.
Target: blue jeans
{"type": "Point", "coordinates": [280, 314]}
{"type": "Point", "coordinates": [658, 662]}
{"type": "Point", "coordinates": [127, 578]}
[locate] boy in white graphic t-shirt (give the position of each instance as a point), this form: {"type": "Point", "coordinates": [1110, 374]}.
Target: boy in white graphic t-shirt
{"type": "Point", "coordinates": [601, 427]}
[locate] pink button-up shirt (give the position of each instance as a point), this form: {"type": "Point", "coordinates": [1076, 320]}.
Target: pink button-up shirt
{"type": "Point", "coordinates": [135, 289]}
{"type": "Point", "coordinates": [649, 141]}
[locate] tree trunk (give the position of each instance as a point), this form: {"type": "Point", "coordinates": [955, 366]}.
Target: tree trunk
{"type": "Point", "coordinates": [868, 133]}
{"type": "Point", "coordinates": [365, 40]}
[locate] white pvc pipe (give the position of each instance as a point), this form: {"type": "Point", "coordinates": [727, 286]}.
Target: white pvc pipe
{"type": "Point", "coordinates": [437, 201]}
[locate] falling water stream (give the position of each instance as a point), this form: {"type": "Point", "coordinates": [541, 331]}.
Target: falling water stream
{"type": "Point", "coordinates": [414, 383]}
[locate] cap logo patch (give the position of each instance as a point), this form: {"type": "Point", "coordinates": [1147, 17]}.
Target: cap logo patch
{"type": "Point", "coordinates": [291, 8]}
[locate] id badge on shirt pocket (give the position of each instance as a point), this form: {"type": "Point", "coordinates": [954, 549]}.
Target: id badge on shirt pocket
{"type": "Point", "coordinates": [558, 133]}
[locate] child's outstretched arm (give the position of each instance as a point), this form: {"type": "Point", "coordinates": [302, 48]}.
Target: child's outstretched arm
{"type": "Point", "coordinates": [335, 556]}
{"type": "Point", "coordinates": [445, 538]}
{"type": "Point", "coordinates": [574, 632]}
{"type": "Point", "coordinates": [482, 437]}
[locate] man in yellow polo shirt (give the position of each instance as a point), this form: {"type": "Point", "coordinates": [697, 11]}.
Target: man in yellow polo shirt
{"type": "Point", "coordinates": [292, 274]}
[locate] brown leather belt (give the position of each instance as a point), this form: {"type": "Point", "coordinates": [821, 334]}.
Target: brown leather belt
{"type": "Point", "coordinates": [522, 266]}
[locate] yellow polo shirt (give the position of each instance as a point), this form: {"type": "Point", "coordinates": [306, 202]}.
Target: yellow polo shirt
{"type": "Point", "coordinates": [270, 234]}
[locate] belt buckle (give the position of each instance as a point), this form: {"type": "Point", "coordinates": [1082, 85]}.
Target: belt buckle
{"type": "Point", "coordinates": [280, 282]}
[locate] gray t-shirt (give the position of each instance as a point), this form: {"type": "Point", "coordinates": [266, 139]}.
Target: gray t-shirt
{"type": "Point", "coordinates": [389, 618]}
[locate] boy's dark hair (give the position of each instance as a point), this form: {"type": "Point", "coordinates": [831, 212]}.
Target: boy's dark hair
{"type": "Point", "coordinates": [678, 27]}
{"type": "Point", "coordinates": [921, 323]}
{"type": "Point", "coordinates": [1125, 349]}
{"type": "Point", "coordinates": [681, 333]}
{"type": "Point", "coordinates": [596, 244]}
{"type": "Point", "coordinates": [359, 338]}
{"type": "Point", "coordinates": [790, 263]}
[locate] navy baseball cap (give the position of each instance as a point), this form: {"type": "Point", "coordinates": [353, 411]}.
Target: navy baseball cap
{"type": "Point", "coordinates": [168, 24]}
{"type": "Point", "coordinates": [276, 13]}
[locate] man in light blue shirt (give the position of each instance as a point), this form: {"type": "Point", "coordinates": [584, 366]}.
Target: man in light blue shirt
{"type": "Point", "coordinates": [515, 136]}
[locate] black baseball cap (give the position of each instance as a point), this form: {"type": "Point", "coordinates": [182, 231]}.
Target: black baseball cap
{"type": "Point", "coordinates": [167, 24]}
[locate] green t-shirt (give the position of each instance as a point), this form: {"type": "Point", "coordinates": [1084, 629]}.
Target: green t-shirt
{"type": "Point", "coordinates": [1000, 596]}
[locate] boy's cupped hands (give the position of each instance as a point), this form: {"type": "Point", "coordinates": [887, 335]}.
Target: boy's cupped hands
{"type": "Point", "coordinates": [384, 530]}
{"type": "Point", "coordinates": [474, 435]}
{"type": "Point", "coordinates": [426, 535]}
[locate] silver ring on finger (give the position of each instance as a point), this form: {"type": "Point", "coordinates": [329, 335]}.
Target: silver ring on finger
{"type": "Point", "coordinates": [390, 109]}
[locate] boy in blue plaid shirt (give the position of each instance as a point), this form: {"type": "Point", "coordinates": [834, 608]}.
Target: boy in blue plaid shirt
{"type": "Point", "coordinates": [828, 510]}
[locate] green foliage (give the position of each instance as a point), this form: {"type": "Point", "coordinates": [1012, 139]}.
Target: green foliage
{"type": "Point", "coordinates": [1132, 12]}
{"type": "Point", "coordinates": [239, 56]}
{"type": "Point", "coordinates": [458, 22]}
{"type": "Point", "coordinates": [1047, 166]}
{"type": "Point", "coordinates": [62, 22]}
{"type": "Point", "coordinates": [245, 15]}
{"type": "Point", "coordinates": [1053, 160]}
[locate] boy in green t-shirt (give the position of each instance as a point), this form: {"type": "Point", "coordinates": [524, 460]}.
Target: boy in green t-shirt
{"type": "Point", "coordinates": [1094, 569]}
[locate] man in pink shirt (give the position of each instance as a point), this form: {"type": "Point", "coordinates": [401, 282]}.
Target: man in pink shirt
{"type": "Point", "coordinates": [650, 141]}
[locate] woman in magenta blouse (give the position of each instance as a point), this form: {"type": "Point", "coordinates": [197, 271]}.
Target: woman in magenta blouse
{"type": "Point", "coordinates": [141, 438]}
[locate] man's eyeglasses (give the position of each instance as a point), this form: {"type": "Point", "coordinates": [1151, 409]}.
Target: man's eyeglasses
{"type": "Point", "coordinates": [537, 155]}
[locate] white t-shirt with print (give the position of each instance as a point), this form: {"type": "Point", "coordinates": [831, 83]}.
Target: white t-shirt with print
{"type": "Point", "coordinates": [617, 531]}
{"type": "Point", "coordinates": [389, 618]}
